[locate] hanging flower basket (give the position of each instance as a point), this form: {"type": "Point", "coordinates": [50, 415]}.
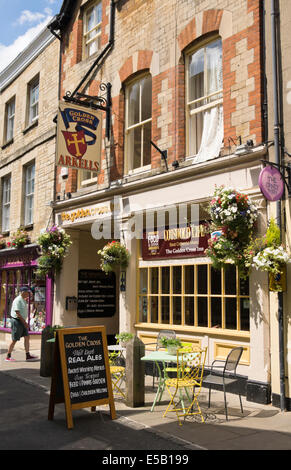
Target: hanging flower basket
{"type": "Point", "coordinates": [114, 256]}
{"type": "Point", "coordinates": [54, 243]}
{"type": "Point", "coordinates": [267, 254]}
{"type": "Point", "coordinates": [19, 239]}
{"type": "Point", "coordinates": [233, 218]}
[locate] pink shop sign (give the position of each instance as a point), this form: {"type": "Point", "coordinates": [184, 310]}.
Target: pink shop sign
{"type": "Point", "coordinates": [271, 183]}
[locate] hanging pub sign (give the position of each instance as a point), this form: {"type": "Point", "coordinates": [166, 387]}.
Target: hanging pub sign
{"type": "Point", "coordinates": [271, 183]}
{"type": "Point", "coordinates": [78, 137]}
{"type": "Point", "coordinates": [81, 373]}
{"type": "Point", "coordinates": [184, 242]}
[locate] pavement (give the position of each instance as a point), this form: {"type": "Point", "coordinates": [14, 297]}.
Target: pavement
{"type": "Point", "coordinates": [261, 427]}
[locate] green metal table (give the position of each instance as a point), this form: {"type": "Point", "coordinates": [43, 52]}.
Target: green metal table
{"type": "Point", "coordinates": [165, 358]}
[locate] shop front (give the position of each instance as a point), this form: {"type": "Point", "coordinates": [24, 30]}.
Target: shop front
{"type": "Point", "coordinates": [84, 294]}
{"type": "Point", "coordinates": [177, 287]}
{"type": "Point", "coordinates": [18, 268]}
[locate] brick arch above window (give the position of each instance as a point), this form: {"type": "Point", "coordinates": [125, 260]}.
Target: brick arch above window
{"type": "Point", "coordinates": [208, 21]}
{"type": "Point", "coordinates": [140, 60]}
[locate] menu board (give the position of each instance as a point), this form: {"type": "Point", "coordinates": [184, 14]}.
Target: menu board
{"type": "Point", "coordinates": [81, 376]}
{"type": "Point", "coordinates": [96, 294]}
{"type": "Point", "coordinates": [86, 367]}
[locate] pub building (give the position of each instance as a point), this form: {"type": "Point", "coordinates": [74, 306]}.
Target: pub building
{"type": "Point", "coordinates": [170, 283]}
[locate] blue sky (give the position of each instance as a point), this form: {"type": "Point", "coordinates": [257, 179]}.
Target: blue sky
{"type": "Point", "coordinates": [20, 22]}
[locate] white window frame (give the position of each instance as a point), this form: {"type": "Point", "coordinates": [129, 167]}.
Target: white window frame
{"type": "Point", "coordinates": [33, 101]}
{"type": "Point", "coordinates": [95, 31]}
{"type": "Point", "coordinates": [6, 201]}
{"type": "Point", "coordinates": [10, 116]}
{"type": "Point", "coordinates": [205, 98]}
{"type": "Point", "coordinates": [140, 124]}
{"type": "Point", "coordinates": [29, 194]}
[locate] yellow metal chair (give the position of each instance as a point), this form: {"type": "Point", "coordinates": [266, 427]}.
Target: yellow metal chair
{"type": "Point", "coordinates": [117, 372]}
{"type": "Point", "coordinates": [190, 369]}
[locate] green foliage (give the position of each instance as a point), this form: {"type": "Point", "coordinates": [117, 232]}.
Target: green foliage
{"type": "Point", "coordinates": [273, 236]}
{"type": "Point", "coordinates": [54, 243]}
{"type": "Point", "coordinates": [123, 337]}
{"type": "Point", "coordinates": [170, 342]}
{"type": "Point", "coordinates": [113, 256]}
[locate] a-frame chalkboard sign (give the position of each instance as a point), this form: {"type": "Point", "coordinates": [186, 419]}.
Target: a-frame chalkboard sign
{"type": "Point", "coordinates": [81, 373]}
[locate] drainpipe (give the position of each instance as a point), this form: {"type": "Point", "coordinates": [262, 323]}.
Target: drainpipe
{"type": "Point", "coordinates": [274, 19]}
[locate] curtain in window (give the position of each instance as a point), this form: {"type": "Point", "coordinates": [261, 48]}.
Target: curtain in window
{"type": "Point", "coordinates": [212, 135]}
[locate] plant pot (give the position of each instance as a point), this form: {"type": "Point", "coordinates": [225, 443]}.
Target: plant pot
{"type": "Point", "coordinates": [277, 282]}
{"type": "Point", "coordinates": [172, 350]}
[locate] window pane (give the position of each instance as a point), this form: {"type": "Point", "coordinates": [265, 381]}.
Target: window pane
{"type": "Point", "coordinates": [165, 280]}
{"type": "Point", "coordinates": [143, 281]}
{"type": "Point", "coordinates": [230, 314]}
{"type": "Point", "coordinates": [177, 279]}
{"type": "Point", "coordinates": [133, 104]}
{"type": "Point", "coordinates": [189, 311]}
{"type": "Point", "coordinates": [202, 311]}
{"type": "Point", "coordinates": [154, 280]}
{"type": "Point", "coordinates": [195, 132]}
{"type": "Point", "coordinates": [215, 281]}
{"type": "Point", "coordinates": [189, 279]}
{"type": "Point", "coordinates": [165, 310]}
{"type": "Point", "coordinates": [146, 98]}
{"type": "Point", "coordinates": [135, 147]}
{"type": "Point", "coordinates": [143, 309]}
{"type": "Point", "coordinates": [216, 312]}
{"type": "Point", "coordinates": [214, 67]}
{"type": "Point", "coordinates": [196, 75]}
{"type": "Point", "coordinates": [154, 309]}
{"type": "Point", "coordinates": [230, 280]}
{"type": "Point", "coordinates": [147, 135]}
{"type": "Point", "coordinates": [245, 314]}
{"type": "Point", "coordinates": [244, 286]}
{"type": "Point", "coordinates": [202, 279]}
{"type": "Point", "coordinates": [177, 312]}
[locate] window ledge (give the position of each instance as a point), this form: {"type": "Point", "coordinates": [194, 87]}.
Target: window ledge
{"type": "Point", "coordinates": [30, 126]}
{"type": "Point", "coordinates": [28, 227]}
{"type": "Point", "coordinates": [9, 142]}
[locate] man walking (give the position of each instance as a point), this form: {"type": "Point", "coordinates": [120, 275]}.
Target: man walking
{"type": "Point", "coordinates": [19, 326]}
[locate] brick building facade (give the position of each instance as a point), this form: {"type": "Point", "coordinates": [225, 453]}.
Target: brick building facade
{"type": "Point", "coordinates": [189, 77]}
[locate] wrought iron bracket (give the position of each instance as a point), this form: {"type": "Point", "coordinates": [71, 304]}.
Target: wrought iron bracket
{"type": "Point", "coordinates": [282, 168]}
{"type": "Point", "coordinates": [164, 153]}
{"type": "Point", "coordinates": [103, 103]}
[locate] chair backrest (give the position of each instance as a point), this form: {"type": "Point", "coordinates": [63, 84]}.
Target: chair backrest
{"type": "Point", "coordinates": [233, 359]}
{"type": "Point", "coordinates": [190, 366]}
{"type": "Point", "coordinates": [164, 333]}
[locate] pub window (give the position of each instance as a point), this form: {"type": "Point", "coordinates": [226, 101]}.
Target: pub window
{"type": "Point", "coordinates": [6, 195]}
{"type": "Point", "coordinates": [9, 120]}
{"type": "Point", "coordinates": [138, 124]}
{"type": "Point", "coordinates": [92, 29]}
{"type": "Point", "coordinates": [204, 101]}
{"type": "Point", "coordinates": [194, 295]}
{"type": "Point", "coordinates": [29, 194]}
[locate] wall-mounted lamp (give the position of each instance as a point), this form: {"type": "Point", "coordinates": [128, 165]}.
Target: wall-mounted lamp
{"type": "Point", "coordinates": [122, 281]}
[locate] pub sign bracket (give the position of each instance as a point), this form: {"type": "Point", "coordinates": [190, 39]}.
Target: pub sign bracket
{"type": "Point", "coordinates": [103, 103]}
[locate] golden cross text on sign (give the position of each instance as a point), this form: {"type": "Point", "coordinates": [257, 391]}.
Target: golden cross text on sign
{"type": "Point", "coordinates": [79, 137]}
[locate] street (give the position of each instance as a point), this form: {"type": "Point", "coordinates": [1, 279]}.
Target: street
{"type": "Point", "coordinates": [24, 425]}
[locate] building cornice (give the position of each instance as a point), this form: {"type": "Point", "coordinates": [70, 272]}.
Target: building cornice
{"type": "Point", "coordinates": [182, 175]}
{"type": "Point", "coordinates": [25, 58]}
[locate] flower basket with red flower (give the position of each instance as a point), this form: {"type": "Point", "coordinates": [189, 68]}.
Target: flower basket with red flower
{"type": "Point", "coordinates": [114, 256]}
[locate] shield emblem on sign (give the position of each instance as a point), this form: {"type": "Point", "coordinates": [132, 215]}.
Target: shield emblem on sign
{"type": "Point", "coordinates": [76, 143]}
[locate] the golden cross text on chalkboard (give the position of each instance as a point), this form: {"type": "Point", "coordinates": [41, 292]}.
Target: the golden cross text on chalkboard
{"type": "Point", "coordinates": [81, 374]}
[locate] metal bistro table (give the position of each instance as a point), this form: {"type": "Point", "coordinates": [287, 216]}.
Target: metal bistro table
{"type": "Point", "coordinates": [164, 357]}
